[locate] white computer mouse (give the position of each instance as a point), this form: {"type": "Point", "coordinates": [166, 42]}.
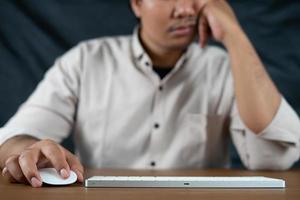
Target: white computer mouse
{"type": "Point", "coordinates": [50, 176]}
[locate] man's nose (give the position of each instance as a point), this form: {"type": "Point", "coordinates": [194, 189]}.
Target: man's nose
{"type": "Point", "coordinates": [185, 8]}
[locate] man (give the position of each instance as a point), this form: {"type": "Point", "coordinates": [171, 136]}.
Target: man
{"type": "Point", "coordinates": [155, 100]}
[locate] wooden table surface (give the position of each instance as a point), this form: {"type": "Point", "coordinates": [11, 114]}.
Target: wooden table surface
{"type": "Point", "coordinates": [78, 191]}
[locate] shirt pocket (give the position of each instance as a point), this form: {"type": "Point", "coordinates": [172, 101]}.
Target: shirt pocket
{"type": "Point", "coordinates": [192, 138]}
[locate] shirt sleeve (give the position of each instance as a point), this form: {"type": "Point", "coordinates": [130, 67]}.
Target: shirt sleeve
{"type": "Point", "coordinates": [274, 148]}
{"type": "Point", "coordinates": [49, 111]}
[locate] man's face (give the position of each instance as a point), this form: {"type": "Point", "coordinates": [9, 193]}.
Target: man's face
{"type": "Point", "coordinates": [169, 24]}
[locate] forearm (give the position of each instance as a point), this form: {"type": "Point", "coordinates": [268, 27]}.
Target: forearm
{"type": "Point", "coordinates": [15, 145]}
{"type": "Point", "coordinates": [257, 97]}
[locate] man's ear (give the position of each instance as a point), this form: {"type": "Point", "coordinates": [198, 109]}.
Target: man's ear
{"type": "Point", "coordinates": [136, 7]}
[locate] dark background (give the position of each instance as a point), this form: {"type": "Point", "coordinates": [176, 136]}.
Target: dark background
{"type": "Point", "coordinates": [34, 32]}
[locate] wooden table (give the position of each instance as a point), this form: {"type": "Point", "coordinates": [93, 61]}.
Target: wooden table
{"type": "Point", "coordinates": [10, 191]}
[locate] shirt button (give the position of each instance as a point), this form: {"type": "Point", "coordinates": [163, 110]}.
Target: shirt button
{"type": "Point", "coordinates": [247, 156]}
{"type": "Point", "coordinates": [160, 88]}
{"type": "Point", "coordinates": [156, 125]}
{"type": "Point", "coordinates": [140, 57]}
{"type": "Point", "coordinates": [153, 164]}
{"type": "Point", "coordinates": [244, 133]}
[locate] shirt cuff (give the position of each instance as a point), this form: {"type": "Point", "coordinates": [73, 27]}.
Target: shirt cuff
{"type": "Point", "coordinates": [9, 132]}
{"type": "Point", "coordinates": [284, 128]}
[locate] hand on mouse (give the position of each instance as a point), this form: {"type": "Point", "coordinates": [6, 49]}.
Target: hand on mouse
{"type": "Point", "coordinates": [23, 168]}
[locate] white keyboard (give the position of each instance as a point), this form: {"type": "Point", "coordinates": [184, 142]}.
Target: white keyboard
{"type": "Point", "coordinates": [185, 182]}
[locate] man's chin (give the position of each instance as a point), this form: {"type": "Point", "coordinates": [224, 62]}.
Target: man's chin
{"type": "Point", "coordinates": [181, 43]}
{"type": "Point", "coordinates": [180, 46]}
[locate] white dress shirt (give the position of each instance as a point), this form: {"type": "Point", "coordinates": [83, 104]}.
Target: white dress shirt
{"type": "Point", "coordinates": [122, 115]}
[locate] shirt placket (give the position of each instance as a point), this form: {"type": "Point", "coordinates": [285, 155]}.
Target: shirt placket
{"type": "Point", "coordinates": [157, 126]}
{"type": "Point", "coordinates": [156, 114]}
{"type": "Point", "coordinates": [157, 117]}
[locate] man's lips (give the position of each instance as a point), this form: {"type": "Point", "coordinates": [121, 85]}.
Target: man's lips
{"type": "Point", "coordinates": [182, 30]}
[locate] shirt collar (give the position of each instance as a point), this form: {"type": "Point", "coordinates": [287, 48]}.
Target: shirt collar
{"type": "Point", "coordinates": [143, 59]}
{"type": "Point", "coordinates": [139, 54]}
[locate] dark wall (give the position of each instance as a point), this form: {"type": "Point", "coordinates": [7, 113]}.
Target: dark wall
{"type": "Point", "coordinates": [34, 32]}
